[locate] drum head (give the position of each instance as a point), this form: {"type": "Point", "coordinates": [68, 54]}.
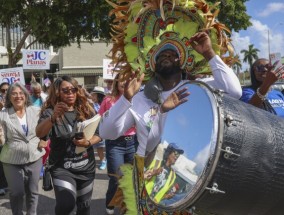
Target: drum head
{"type": "Point", "coordinates": [183, 159]}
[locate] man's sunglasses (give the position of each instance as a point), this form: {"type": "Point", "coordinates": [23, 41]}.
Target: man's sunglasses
{"type": "Point", "coordinates": [69, 90]}
{"type": "Point", "coordinates": [4, 90]}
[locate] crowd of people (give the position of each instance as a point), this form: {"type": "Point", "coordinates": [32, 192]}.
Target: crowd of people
{"type": "Point", "coordinates": [36, 127]}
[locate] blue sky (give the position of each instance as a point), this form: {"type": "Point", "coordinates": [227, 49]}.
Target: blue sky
{"type": "Point", "coordinates": [265, 15]}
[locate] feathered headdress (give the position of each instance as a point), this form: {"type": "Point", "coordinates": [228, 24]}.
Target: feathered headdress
{"type": "Point", "coordinates": [141, 28]}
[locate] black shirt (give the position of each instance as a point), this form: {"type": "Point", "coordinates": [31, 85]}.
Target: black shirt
{"type": "Point", "coordinates": [62, 149]}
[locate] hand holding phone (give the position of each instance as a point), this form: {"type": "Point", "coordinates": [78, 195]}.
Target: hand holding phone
{"type": "Point", "coordinates": [79, 135]}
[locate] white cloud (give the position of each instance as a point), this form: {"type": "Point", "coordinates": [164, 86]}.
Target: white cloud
{"type": "Point", "coordinates": [272, 8]}
{"type": "Point", "coordinates": [201, 159]}
{"type": "Point", "coordinates": [275, 40]}
{"type": "Point", "coordinates": [239, 44]}
{"type": "Point", "coordinates": [257, 35]}
{"type": "Point", "coordinates": [258, 26]}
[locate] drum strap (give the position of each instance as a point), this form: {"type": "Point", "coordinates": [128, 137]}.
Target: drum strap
{"type": "Point", "coordinates": [153, 90]}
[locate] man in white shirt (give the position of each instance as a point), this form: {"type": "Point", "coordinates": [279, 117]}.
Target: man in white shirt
{"type": "Point", "coordinates": [149, 114]}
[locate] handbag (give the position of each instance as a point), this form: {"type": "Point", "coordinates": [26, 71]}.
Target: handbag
{"type": "Point", "coordinates": [46, 178]}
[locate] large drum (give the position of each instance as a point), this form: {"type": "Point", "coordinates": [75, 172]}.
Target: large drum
{"type": "Point", "coordinates": [218, 155]}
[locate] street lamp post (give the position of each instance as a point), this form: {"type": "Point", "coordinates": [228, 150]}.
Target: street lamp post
{"type": "Point", "coordinates": [268, 41]}
{"type": "Point", "coordinates": [268, 36]}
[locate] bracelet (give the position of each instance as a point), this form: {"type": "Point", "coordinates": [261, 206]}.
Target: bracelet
{"type": "Point", "coordinates": [262, 97]}
{"type": "Point", "coordinates": [89, 144]}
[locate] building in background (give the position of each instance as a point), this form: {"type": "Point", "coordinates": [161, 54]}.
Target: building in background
{"type": "Point", "coordinates": [85, 64]}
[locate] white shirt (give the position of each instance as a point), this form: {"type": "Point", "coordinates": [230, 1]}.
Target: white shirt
{"type": "Point", "coordinates": [146, 116]}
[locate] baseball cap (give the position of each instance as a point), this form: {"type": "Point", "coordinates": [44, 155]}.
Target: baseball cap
{"type": "Point", "coordinates": [167, 46]}
{"type": "Point", "coordinates": [98, 89]}
{"type": "Point", "coordinates": [174, 147]}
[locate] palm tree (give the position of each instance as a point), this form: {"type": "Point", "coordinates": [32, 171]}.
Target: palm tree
{"type": "Point", "coordinates": [237, 66]}
{"type": "Point", "coordinates": [250, 55]}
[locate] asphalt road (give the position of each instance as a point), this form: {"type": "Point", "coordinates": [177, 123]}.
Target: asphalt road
{"type": "Point", "coordinates": [47, 200]}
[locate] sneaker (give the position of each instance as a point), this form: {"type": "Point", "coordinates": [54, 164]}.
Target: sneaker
{"type": "Point", "coordinates": [2, 192]}
{"type": "Point", "coordinates": [103, 165]}
{"type": "Point", "coordinates": [109, 211]}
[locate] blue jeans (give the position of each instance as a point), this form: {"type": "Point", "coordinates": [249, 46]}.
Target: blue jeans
{"type": "Point", "coordinates": [118, 152]}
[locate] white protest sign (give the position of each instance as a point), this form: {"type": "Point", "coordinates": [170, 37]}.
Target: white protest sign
{"type": "Point", "coordinates": [108, 70]}
{"type": "Point", "coordinates": [12, 75]}
{"type": "Point", "coordinates": [36, 59]}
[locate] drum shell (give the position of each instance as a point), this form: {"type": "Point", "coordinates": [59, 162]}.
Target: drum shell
{"type": "Point", "coordinates": [253, 181]}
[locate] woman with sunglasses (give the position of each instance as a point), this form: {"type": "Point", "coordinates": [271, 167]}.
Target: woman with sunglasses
{"type": "Point", "coordinates": [73, 174]}
{"type": "Point", "coordinates": [260, 94]}
{"type": "Point", "coordinates": [21, 157]}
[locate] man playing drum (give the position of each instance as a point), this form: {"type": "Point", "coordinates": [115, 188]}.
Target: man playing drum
{"type": "Point", "coordinates": [135, 109]}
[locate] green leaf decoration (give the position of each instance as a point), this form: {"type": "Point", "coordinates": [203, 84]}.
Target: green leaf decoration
{"type": "Point", "coordinates": [131, 52]}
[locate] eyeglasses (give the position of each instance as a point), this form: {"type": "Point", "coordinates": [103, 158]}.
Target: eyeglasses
{"type": "Point", "coordinates": [4, 90]}
{"type": "Point", "coordinates": [69, 90]}
{"type": "Point", "coordinates": [20, 94]}
{"type": "Point", "coordinates": [262, 68]}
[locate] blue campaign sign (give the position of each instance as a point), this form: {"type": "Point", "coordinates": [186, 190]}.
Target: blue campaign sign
{"type": "Point", "coordinates": [38, 55]}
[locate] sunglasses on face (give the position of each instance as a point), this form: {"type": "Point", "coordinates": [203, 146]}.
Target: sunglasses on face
{"type": "Point", "coordinates": [69, 90]}
{"type": "Point", "coordinates": [262, 68]}
{"type": "Point", "coordinates": [176, 154]}
{"type": "Point", "coordinates": [4, 90]}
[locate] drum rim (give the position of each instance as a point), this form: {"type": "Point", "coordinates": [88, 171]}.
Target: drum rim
{"type": "Point", "coordinates": [205, 177]}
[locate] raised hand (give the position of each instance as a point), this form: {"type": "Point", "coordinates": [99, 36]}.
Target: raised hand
{"type": "Point", "coordinates": [174, 100]}
{"type": "Point", "coordinates": [273, 74]}
{"type": "Point", "coordinates": [59, 109]}
{"type": "Point", "coordinates": [133, 85]}
{"type": "Point", "coordinates": [201, 43]}
{"type": "Point", "coordinates": [279, 72]}
{"type": "Point", "coordinates": [148, 174]}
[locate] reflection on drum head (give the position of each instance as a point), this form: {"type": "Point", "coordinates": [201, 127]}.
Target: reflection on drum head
{"type": "Point", "coordinates": [218, 154]}
{"type": "Point", "coordinates": [187, 142]}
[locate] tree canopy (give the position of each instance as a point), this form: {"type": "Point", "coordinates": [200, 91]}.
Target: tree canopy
{"type": "Point", "coordinates": [54, 22]}
{"type": "Point", "coordinates": [233, 14]}
{"type": "Point", "coordinates": [62, 22]}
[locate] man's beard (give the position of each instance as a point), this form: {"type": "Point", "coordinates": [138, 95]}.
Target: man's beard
{"type": "Point", "coordinates": [166, 71]}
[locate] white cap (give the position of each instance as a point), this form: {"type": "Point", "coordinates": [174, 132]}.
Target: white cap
{"type": "Point", "coordinates": [98, 89]}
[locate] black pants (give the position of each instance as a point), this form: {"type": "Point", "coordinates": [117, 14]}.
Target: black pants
{"type": "Point", "coordinates": [70, 192]}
